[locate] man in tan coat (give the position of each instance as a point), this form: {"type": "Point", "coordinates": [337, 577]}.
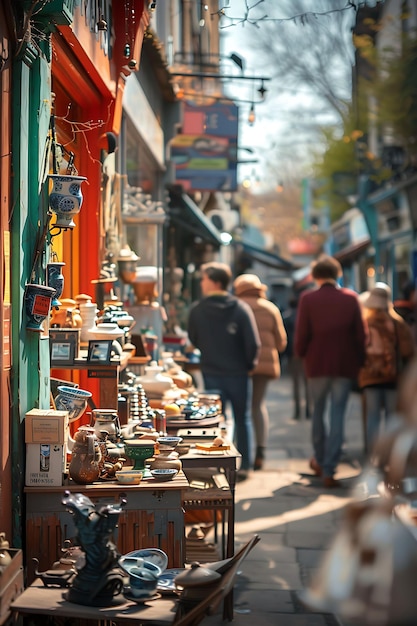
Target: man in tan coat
{"type": "Point", "coordinates": [249, 288]}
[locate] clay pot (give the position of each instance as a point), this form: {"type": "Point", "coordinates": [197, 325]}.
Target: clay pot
{"type": "Point", "coordinates": [84, 467]}
{"type": "Point", "coordinates": [166, 460]}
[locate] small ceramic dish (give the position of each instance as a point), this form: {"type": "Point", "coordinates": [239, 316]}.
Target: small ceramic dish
{"type": "Point", "coordinates": [129, 477]}
{"type": "Point", "coordinates": [168, 443]}
{"type": "Point", "coordinates": [164, 474]}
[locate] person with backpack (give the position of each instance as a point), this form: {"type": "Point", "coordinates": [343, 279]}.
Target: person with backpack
{"type": "Point", "coordinates": [390, 345]}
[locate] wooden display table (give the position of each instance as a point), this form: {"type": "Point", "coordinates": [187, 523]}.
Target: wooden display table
{"type": "Point", "coordinates": [50, 602]}
{"type": "Point", "coordinates": [152, 517]}
{"type": "Point", "coordinates": [228, 462]}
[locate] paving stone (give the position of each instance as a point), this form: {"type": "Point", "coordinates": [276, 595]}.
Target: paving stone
{"type": "Point", "coordinates": [294, 515]}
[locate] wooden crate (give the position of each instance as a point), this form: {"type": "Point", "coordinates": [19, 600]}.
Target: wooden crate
{"type": "Point", "coordinates": [11, 583]}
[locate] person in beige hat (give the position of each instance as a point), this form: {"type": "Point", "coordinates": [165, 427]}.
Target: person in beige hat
{"type": "Point", "coordinates": [250, 289]}
{"type": "Point", "coordinates": [390, 345]}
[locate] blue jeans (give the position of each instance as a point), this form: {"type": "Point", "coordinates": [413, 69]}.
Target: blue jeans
{"type": "Point", "coordinates": [377, 399]}
{"type": "Point", "coordinates": [237, 391]}
{"type": "Point", "coordinates": [328, 441]}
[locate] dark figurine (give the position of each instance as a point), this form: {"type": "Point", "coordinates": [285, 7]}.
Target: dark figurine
{"type": "Point", "coordinates": [99, 580]}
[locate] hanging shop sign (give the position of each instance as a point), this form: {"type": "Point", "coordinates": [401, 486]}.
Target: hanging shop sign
{"type": "Point", "coordinates": [205, 152]}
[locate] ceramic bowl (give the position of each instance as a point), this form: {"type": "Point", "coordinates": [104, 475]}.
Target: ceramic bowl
{"type": "Point", "coordinates": [164, 474]}
{"type": "Point", "coordinates": [73, 400]}
{"type": "Point", "coordinates": [148, 555]}
{"type": "Point", "coordinates": [168, 443]}
{"type": "Point", "coordinates": [129, 477]}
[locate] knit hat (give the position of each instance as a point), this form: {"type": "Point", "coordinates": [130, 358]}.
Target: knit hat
{"type": "Point", "coordinates": [379, 297]}
{"type": "Point", "coordinates": [248, 282]}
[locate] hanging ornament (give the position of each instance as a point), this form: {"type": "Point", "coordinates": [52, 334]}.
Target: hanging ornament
{"type": "Point", "coordinates": [126, 51]}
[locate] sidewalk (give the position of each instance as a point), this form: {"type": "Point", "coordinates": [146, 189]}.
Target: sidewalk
{"type": "Point", "coordinates": [294, 515]}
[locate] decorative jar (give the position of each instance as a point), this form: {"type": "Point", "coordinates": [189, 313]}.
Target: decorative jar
{"type": "Point", "coordinates": [37, 299]}
{"type": "Point", "coordinates": [65, 199]}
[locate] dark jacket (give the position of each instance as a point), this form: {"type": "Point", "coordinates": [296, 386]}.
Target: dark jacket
{"type": "Point", "coordinates": [330, 333]}
{"type": "Point", "coordinates": [224, 330]}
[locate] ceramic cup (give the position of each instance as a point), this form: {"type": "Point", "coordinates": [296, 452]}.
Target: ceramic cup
{"type": "Point", "coordinates": [144, 579]}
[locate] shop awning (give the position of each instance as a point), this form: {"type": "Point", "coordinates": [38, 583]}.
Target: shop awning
{"type": "Point", "coordinates": [184, 212]}
{"type": "Point", "coordinates": [267, 258]}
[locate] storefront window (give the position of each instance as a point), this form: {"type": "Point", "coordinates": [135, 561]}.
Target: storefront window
{"type": "Point", "coordinates": [141, 168]}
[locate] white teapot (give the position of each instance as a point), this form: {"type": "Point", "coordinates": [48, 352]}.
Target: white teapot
{"type": "Point", "coordinates": [154, 381]}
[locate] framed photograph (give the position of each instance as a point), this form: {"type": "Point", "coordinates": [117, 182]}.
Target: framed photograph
{"type": "Point", "coordinates": [65, 336]}
{"type": "Point", "coordinates": [62, 352]}
{"type": "Point", "coordinates": [99, 350]}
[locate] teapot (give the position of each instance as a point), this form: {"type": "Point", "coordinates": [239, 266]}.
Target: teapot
{"type": "Point", "coordinates": [154, 380]}
{"type": "Point", "coordinates": [84, 467]}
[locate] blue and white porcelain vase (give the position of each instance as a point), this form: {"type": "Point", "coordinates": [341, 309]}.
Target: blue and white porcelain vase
{"type": "Point", "coordinates": [65, 199]}
{"type": "Point", "coordinates": [37, 300]}
{"type": "Point", "coordinates": [55, 279]}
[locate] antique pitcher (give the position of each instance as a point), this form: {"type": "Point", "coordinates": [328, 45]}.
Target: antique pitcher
{"type": "Point", "coordinates": [84, 467]}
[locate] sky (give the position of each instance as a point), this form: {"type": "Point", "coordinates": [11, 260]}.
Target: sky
{"type": "Point", "coordinates": [279, 118]}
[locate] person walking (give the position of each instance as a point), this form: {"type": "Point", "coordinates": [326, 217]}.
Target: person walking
{"type": "Point", "coordinates": [249, 288]}
{"type": "Point", "coordinates": [300, 390]}
{"type": "Point", "coordinates": [390, 346]}
{"type": "Point", "coordinates": [224, 329]}
{"type": "Point", "coordinates": [330, 337]}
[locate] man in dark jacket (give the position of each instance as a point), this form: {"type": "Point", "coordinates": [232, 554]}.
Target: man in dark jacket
{"type": "Point", "coordinates": [224, 329]}
{"type": "Point", "coordinates": [330, 336]}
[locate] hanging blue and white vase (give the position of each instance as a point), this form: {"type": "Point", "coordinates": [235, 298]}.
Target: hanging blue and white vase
{"type": "Point", "coordinates": [37, 300]}
{"type": "Point", "coordinates": [65, 199]}
{"type": "Point", "coordinates": [55, 279]}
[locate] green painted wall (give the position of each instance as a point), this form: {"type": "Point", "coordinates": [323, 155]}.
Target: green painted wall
{"type": "Point", "coordinates": [30, 368]}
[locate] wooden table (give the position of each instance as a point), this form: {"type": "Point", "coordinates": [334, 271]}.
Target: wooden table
{"type": "Point", "coordinates": [152, 517]}
{"type": "Point", "coordinates": [227, 462]}
{"type": "Point", "coordinates": [51, 602]}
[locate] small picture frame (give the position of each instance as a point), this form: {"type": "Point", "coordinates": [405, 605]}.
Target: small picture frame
{"type": "Point", "coordinates": [99, 350]}
{"type": "Point", "coordinates": [62, 352]}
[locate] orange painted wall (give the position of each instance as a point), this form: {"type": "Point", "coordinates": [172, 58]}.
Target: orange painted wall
{"type": "Point", "coordinates": [89, 89]}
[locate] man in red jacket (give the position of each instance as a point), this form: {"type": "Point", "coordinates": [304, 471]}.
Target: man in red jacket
{"type": "Point", "coordinates": [330, 337]}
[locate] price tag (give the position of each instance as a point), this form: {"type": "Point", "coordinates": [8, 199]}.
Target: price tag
{"type": "Point", "coordinates": [41, 305]}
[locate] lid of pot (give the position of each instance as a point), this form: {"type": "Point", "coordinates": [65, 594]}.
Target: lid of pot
{"type": "Point", "coordinates": [196, 576]}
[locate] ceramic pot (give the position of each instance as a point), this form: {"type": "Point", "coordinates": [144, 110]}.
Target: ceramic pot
{"type": "Point", "coordinates": [67, 316]}
{"type": "Point", "coordinates": [144, 284]}
{"type": "Point", "coordinates": [37, 299]}
{"type": "Point", "coordinates": [55, 279]}
{"type": "Point", "coordinates": [127, 263]}
{"type": "Point", "coordinates": [65, 199]}
{"type": "Point", "coordinates": [88, 312]}
{"type": "Point", "coordinates": [107, 420]}
{"type": "Point", "coordinates": [166, 460]}
{"type": "Point", "coordinates": [84, 467]}
{"type": "Point", "coordinates": [73, 400]}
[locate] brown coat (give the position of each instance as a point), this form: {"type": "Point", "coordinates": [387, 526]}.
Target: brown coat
{"type": "Point", "coordinates": [389, 335]}
{"type": "Point", "coordinates": [271, 330]}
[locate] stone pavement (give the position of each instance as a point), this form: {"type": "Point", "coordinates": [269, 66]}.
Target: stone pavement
{"type": "Point", "coordinates": [294, 515]}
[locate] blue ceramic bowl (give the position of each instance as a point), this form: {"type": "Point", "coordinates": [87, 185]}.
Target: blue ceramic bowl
{"type": "Point", "coordinates": [164, 474]}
